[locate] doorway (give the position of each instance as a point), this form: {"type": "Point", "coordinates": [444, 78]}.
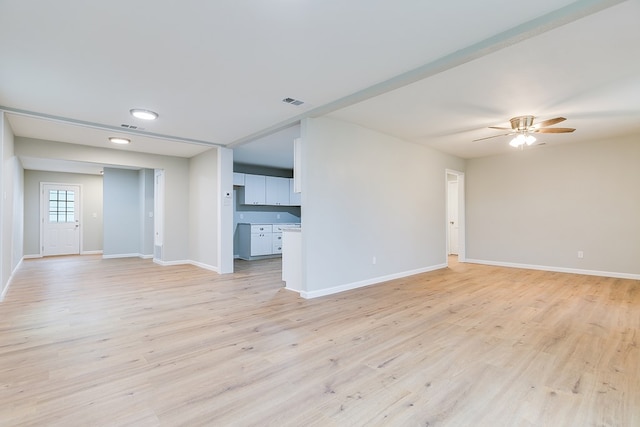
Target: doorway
{"type": "Point", "coordinates": [60, 219]}
{"type": "Point", "coordinates": [452, 214]}
{"type": "Point", "coordinates": [455, 225]}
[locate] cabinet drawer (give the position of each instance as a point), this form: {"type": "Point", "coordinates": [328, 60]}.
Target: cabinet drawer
{"type": "Point", "coordinates": [276, 240]}
{"type": "Point", "coordinates": [261, 228]}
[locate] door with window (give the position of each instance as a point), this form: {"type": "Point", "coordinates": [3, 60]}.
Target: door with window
{"type": "Point", "coordinates": [60, 232]}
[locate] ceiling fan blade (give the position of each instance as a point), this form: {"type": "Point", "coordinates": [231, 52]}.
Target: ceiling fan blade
{"type": "Point", "coordinates": [554, 130]}
{"type": "Point", "coordinates": [498, 127]}
{"type": "Point", "coordinates": [550, 122]}
{"type": "Point", "coordinates": [494, 136]}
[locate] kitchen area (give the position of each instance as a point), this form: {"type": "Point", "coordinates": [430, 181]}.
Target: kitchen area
{"type": "Point", "coordinates": [267, 205]}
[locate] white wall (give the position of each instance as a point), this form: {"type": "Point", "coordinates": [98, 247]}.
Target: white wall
{"type": "Point", "coordinates": [147, 211]}
{"type": "Point", "coordinates": [11, 206]}
{"type": "Point", "coordinates": [540, 206]}
{"type": "Point", "coordinates": [122, 213]}
{"type": "Point", "coordinates": [203, 209]}
{"type": "Point", "coordinates": [367, 194]}
{"type": "Point", "coordinates": [225, 210]}
{"type": "Point", "coordinates": [91, 204]}
{"type": "Point", "coordinates": [176, 228]}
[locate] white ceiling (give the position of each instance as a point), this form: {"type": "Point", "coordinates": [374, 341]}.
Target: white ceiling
{"type": "Point", "coordinates": [587, 71]}
{"type": "Point", "coordinates": [433, 73]}
{"type": "Point", "coordinates": [274, 149]}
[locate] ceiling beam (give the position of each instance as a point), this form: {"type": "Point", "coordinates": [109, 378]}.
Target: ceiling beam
{"type": "Point", "coordinates": [91, 125]}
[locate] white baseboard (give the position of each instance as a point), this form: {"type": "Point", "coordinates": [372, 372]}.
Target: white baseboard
{"type": "Point", "coordinates": [167, 263]}
{"type": "Point", "coordinates": [127, 256]}
{"type": "Point", "coordinates": [6, 288]}
{"type": "Point", "coordinates": [34, 256]}
{"type": "Point", "coordinates": [91, 253]}
{"type": "Point", "coordinates": [205, 266]}
{"type": "Point", "coordinates": [121, 256]}
{"type": "Point", "coordinates": [184, 262]}
{"type": "Point", "coordinates": [368, 282]}
{"type": "Point", "coordinates": [556, 269]}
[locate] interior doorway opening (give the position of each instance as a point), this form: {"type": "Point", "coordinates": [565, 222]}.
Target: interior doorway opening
{"type": "Point", "coordinates": [455, 218]}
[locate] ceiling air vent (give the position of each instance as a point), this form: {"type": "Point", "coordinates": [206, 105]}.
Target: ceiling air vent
{"type": "Point", "coordinates": [293, 101]}
{"type": "Point", "coordinates": [132, 127]}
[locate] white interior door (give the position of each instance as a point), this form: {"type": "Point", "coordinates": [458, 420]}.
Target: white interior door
{"type": "Point", "coordinates": [452, 209]}
{"type": "Point", "coordinates": [60, 231]}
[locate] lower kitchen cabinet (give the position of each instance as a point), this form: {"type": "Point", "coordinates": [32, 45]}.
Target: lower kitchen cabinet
{"type": "Point", "coordinates": [255, 240]}
{"type": "Point", "coordinates": [261, 244]}
{"type": "Point", "coordinates": [276, 243]}
{"type": "Point", "coordinates": [260, 240]}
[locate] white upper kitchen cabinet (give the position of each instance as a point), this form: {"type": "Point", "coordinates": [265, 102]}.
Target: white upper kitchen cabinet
{"type": "Point", "coordinates": [294, 198]}
{"type": "Point", "coordinates": [238, 179]}
{"type": "Point", "coordinates": [277, 191]}
{"type": "Point", "coordinates": [254, 190]}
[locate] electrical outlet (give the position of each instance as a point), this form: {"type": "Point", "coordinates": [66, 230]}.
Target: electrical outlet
{"type": "Point", "coordinates": [580, 254]}
{"type": "Point", "coordinates": [374, 260]}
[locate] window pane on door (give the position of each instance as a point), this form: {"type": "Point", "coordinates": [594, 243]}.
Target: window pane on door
{"type": "Point", "coordinates": [61, 206]}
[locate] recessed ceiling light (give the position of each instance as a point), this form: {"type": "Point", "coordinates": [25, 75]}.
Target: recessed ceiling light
{"type": "Point", "coordinates": [119, 140]}
{"type": "Point", "coordinates": [143, 114]}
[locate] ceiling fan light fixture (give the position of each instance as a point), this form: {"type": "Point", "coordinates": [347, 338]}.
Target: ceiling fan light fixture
{"type": "Point", "coordinates": [143, 114]}
{"type": "Point", "coordinates": [523, 127]}
{"type": "Point", "coordinates": [522, 139]}
{"type": "Point", "coordinates": [518, 141]}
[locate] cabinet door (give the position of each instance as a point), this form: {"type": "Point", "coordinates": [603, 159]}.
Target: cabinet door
{"type": "Point", "coordinates": [294, 198]}
{"type": "Point", "coordinates": [277, 191]}
{"type": "Point", "coordinates": [254, 190]}
{"type": "Point", "coordinates": [238, 179]}
{"type": "Point", "coordinates": [261, 244]}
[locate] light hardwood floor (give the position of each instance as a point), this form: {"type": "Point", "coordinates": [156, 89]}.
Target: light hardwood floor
{"type": "Point", "coordinates": [86, 341]}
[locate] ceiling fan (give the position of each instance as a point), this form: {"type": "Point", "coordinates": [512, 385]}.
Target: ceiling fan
{"type": "Point", "coordinates": [523, 126]}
